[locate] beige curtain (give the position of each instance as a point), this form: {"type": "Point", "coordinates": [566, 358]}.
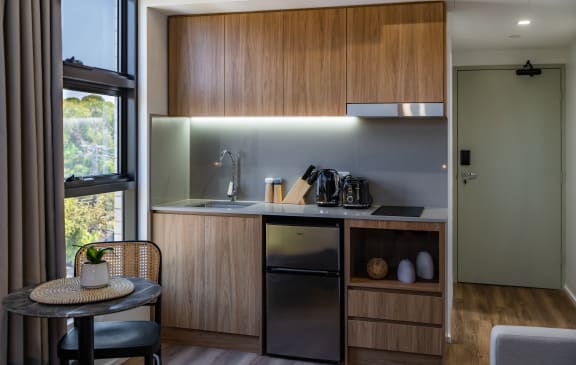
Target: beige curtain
{"type": "Point", "coordinates": [31, 170]}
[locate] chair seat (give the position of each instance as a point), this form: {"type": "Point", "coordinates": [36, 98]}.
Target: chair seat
{"type": "Point", "coordinates": [115, 339]}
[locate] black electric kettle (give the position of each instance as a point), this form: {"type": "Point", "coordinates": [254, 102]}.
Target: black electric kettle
{"type": "Point", "coordinates": [328, 188]}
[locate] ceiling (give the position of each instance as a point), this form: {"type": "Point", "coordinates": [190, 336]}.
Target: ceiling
{"type": "Point", "coordinates": [472, 24]}
{"type": "Point", "coordinates": [481, 24]}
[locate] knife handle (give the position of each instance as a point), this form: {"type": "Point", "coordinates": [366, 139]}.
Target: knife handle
{"type": "Point", "coordinates": [308, 172]}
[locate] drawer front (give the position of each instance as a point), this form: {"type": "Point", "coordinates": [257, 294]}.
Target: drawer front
{"type": "Point", "coordinates": [395, 337]}
{"type": "Point", "coordinates": [395, 307]}
{"type": "Point", "coordinates": [358, 356]}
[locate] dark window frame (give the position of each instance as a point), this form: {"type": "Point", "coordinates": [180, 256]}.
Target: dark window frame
{"type": "Point", "coordinates": [123, 84]}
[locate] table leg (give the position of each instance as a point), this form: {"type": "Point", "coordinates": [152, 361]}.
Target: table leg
{"type": "Point", "coordinates": [86, 340]}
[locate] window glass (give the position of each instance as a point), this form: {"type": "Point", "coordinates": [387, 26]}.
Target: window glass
{"type": "Point", "coordinates": [90, 134]}
{"type": "Point", "coordinates": [92, 218]}
{"type": "Point", "coordinates": [99, 122]}
{"type": "Point", "coordinates": [90, 32]}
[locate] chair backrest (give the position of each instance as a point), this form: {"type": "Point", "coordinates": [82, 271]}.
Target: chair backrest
{"type": "Point", "coordinates": [140, 259]}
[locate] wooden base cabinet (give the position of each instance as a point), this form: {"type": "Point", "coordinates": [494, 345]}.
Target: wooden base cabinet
{"type": "Point", "coordinates": [211, 277]}
{"type": "Point", "coordinates": [390, 322]}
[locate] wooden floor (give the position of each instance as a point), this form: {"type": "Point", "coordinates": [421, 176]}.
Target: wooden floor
{"type": "Point", "coordinates": [187, 355]}
{"type": "Point", "coordinates": [476, 309]}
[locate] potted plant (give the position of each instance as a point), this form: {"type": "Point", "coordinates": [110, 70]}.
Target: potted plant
{"type": "Point", "coordinates": [94, 272]}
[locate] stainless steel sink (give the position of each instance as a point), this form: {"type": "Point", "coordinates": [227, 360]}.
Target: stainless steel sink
{"type": "Point", "coordinates": [221, 204]}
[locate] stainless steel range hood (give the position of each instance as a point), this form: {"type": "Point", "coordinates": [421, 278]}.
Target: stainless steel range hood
{"type": "Point", "coordinates": [396, 110]}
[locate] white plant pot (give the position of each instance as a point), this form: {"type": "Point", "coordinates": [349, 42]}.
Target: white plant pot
{"type": "Point", "coordinates": [94, 275]}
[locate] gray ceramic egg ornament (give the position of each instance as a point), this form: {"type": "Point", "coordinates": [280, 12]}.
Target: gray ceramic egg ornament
{"type": "Point", "coordinates": [424, 265]}
{"type": "Point", "coordinates": [406, 272]}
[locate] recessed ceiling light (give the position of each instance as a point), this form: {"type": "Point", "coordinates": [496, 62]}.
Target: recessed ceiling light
{"type": "Point", "coordinates": [524, 22]}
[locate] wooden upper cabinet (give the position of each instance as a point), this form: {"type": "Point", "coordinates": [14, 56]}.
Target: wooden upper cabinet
{"type": "Point", "coordinates": [196, 65]}
{"type": "Point", "coordinates": [306, 62]}
{"type": "Point", "coordinates": [254, 64]}
{"type": "Point", "coordinates": [396, 53]}
{"type": "Point", "coordinates": [315, 62]}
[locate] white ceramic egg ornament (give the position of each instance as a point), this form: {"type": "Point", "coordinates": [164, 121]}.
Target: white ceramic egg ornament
{"type": "Point", "coordinates": [424, 265]}
{"type": "Point", "coordinates": [406, 272]}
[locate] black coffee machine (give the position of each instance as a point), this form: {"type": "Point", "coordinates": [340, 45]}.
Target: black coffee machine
{"type": "Point", "coordinates": [328, 189]}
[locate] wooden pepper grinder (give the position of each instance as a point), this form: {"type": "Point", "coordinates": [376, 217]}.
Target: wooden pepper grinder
{"type": "Point", "coordinates": [278, 190]}
{"type": "Point", "coordinates": [269, 190]}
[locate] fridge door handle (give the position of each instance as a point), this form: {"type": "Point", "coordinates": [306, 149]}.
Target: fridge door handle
{"type": "Point", "coordinates": [277, 270]}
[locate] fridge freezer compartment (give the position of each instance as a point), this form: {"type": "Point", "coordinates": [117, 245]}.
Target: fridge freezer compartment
{"type": "Point", "coordinates": [303, 247]}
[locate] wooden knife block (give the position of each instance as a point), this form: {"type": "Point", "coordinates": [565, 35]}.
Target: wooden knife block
{"type": "Point", "coordinates": [297, 192]}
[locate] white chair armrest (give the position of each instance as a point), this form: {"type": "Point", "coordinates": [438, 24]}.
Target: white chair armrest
{"type": "Point", "coordinates": [520, 345]}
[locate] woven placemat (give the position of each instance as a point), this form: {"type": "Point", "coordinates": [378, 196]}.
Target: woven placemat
{"type": "Point", "coordinates": [69, 291]}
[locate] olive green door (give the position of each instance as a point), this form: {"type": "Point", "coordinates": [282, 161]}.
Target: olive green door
{"type": "Point", "coordinates": [509, 198]}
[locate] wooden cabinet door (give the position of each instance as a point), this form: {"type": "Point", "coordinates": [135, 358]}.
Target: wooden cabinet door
{"type": "Point", "coordinates": [234, 274]}
{"type": "Point", "coordinates": [396, 53]}
{"type": "Point", "coordinates": [181, 241]}
{"type": "Point", "coordinates": [315, 62]}
{"type": "Point", "coordinates": [196, 65]}
{"type": "Point", "coordinates": [211, 272]}
{"type": "Point", "coordinates": [254, 64]}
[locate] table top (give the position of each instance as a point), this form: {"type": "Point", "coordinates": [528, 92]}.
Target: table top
{"type": "Point", "coordinates": [19, 302]}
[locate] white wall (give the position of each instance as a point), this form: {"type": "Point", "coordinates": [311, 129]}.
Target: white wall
{"type": "Point", "coordinates": [152, 96]}
{"type": "Point", "coordinates": [450, 224]}
{"type": "Point", "coordinates": [487, 57]}
{"type": "Point", "coordinates": [570, 102]}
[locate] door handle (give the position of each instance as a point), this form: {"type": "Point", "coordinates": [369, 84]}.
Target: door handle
{"type": "Point", "coordinates": [468, 175]}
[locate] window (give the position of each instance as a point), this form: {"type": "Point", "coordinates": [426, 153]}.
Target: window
{"type": "Point", "coordinates": [90, 134]}
{"type": "Point", "coordinates": [98, 42]}
{"type": "Point", "coordinates": [90, 32]}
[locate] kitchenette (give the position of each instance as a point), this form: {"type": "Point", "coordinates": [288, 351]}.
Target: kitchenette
{"type": "Point", "coordinates": [298, 184]}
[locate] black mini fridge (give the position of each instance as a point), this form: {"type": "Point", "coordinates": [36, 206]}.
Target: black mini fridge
{"type": "Point", "coordinates": [303, 290]}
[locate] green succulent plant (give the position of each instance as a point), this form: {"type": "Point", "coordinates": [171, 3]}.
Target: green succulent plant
{"type": "Point", "coordinates": [94, 255]}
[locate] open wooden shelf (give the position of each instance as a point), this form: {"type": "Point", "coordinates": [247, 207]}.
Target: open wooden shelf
{"type": "Point", "coordinates": [393, 245]}
{"type": "Point", "coordinates": [420, 286]}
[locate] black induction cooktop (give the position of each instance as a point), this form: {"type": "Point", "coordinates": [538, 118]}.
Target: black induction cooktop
{"type": "Point", "coordinates": [399, 211]}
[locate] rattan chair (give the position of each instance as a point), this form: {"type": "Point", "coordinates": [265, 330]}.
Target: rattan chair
{"type": "Point", "coordinates": [122, 338]}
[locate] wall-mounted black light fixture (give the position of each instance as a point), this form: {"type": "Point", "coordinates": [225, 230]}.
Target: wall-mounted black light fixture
{"type": "Point", "coordinates": [528, 70]}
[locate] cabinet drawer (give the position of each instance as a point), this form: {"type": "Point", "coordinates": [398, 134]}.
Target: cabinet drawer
{"type": "Point", "coordinates": [395, 306]}
{"type": "Point", "coordinates": [358, 356]}
{"type": "Point", "coordinates": [395, 337]}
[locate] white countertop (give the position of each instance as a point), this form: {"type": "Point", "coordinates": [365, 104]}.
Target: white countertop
{"type": "Point", "coordinates": [308, 210]}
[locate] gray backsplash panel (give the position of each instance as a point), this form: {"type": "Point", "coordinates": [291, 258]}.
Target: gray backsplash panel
{"type": "Point", "coordinates": [169, 159]}
{"type": "Point", "coordinates": [402, 158]}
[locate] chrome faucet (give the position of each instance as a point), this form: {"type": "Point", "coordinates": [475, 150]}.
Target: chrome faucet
{"type": "Point", "coordinates": [232, 192]}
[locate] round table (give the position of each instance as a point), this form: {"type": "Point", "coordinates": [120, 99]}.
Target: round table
{"type": "Point", "coordinates": [19, 302]}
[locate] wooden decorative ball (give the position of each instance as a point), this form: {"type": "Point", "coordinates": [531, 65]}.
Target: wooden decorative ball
{"type": "Point", "coordinates": [377, 268]}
